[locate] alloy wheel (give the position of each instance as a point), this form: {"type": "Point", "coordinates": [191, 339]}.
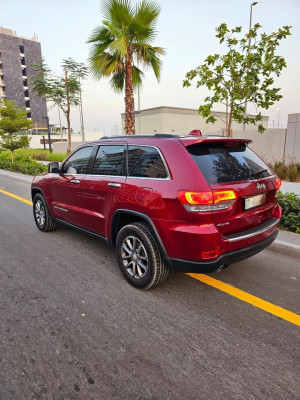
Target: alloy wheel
{"type": "Point", "coordinates": [40, 213]}
{"type": "Point", "coordinates": [134, 257]}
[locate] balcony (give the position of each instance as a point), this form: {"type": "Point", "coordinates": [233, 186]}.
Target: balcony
{"type": "Point", "coordinates": [22, 55]}
{"type": "Point", "coordinates": [23, 66]}
{"type": "Point", "coordinates": [28, 109]}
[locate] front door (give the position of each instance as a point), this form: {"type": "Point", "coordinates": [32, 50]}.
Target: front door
{"type": "Point", "coordinates": [65, 188]}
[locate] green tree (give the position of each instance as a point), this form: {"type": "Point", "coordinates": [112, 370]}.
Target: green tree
{"type": "Point", "coordinates": [12, 120]}
{"type": "Point", "coordinates": [63, 92]}
{"type": "Point", "coordinates": [122, 44]}
{"type": "Point", "coordinates": [244, 74]}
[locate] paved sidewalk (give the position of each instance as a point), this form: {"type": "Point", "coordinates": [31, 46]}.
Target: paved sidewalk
{"type": "Point", "coordinates": [16, 175]}
{"type": "Point", "coordinates": [289, 187]}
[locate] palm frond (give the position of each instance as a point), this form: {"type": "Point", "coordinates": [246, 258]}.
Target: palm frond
{"type": "Point", "coordinates": [137, 76]}
{"type": "Point", "coordinates": [149, 56]}
{"type": "Point", "coordinates": [117, 81]}
{"type": "Point", "coordinates": [117, 12]}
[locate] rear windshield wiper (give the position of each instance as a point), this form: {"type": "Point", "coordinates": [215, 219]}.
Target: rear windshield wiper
{"type": "Point", "coordinates": [259, 172]}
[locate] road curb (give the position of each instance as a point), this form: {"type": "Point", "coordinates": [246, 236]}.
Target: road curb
{"type": "Point", "coordinates": [285, 248]}
{"type": "Point", "coordinates": [17, 176]}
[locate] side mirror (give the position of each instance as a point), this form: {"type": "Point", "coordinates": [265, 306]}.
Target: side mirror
{"type": "Point", "coordinates": [53, 167]}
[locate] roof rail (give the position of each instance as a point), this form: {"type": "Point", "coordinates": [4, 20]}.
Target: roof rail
{"type": "Point", "coordinates": [155, 135]}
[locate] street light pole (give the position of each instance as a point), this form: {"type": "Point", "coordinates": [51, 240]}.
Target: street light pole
{"type": "Point", "coordinates": [249, 41]}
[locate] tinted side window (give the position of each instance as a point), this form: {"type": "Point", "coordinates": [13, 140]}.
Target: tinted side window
{"type": "Point", "coordinates": [109, 160]}
{"type": "Point", "coordinates": [220, 163]}
{"type": "Point", "coordinates": [77, 163]}
{"type": "Point", "coordinates": [145, 162]}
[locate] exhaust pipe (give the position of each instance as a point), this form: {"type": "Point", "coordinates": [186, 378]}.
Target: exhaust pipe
{"type": "Point", "coordinates": [221, 267]}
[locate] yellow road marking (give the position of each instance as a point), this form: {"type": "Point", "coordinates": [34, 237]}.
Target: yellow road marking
{"type": "Point", "coordinates": [249, 298]}
{"type": "Point", "coordinates": [224, 287]}
{"type": "Point", "coordinates": [16, 197]}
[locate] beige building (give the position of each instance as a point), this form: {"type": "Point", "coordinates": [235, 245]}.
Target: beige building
{"type": "Point", "coordinates": [181, 121]}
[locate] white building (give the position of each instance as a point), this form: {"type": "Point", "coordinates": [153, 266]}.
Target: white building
{"type": "Point", "coordinates": [180, 121]}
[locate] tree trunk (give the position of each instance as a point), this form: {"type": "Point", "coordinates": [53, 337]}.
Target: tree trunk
{"type": "Point", "coordinates": [12, 156]}
{"type": "Point", "coordinates": [69, 148]}
{"type": "Point", "coordinates": [230, 121]}
{"type": "Point", "coordinates": [68, 114]}
{"type": "Point", "coordinates": [129, 107]}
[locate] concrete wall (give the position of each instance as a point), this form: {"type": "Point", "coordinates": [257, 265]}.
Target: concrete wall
{"type": "Point", "coordinates": [59, 147]}
{"type": "Point", "coordinates": [292, 146]}
{"type": "Point", "coordinates": [268, 145]}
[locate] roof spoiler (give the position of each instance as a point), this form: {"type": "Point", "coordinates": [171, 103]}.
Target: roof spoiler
{"type": "Point", "coordinates": [195, 132]}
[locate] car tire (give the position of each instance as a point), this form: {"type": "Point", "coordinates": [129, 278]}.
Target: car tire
{"type": "Point", "coordinates": [139, 258]}
{"type": "Point", "coordinates": [42, 216]}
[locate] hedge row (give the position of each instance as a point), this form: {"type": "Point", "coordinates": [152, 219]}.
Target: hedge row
{"type": "Point", "coordinates": [290, 204]}
{"type": "Point", "coordinates": [24, 167]}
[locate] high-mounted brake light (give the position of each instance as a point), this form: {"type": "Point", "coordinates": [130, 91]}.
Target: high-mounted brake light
{"type": "Point", "coordinates": [207, 201]}
{"type": "Point", "coordinates": [277, 183]}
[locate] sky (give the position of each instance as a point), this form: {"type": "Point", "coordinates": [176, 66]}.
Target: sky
{"type": "Point", "coordinates": [186, 30]}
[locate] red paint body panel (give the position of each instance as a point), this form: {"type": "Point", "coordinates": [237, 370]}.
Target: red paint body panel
{"type": "Point", "coordinates": [92, 203]}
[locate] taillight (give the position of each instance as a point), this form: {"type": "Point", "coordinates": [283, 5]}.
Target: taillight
{"type": "Point", "coordinates": [207, 201]}
{"type": "Point", "coordinates": [277, 184]}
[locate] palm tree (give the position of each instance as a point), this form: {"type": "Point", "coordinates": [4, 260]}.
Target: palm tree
{"type": "Point", "coordinates": [123, 43]}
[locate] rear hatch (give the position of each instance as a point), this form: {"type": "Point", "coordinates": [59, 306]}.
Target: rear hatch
{"type": "Point", "coordinates": [231, 165]}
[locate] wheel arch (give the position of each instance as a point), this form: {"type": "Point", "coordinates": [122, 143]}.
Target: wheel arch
{"type": "Point", "coordinates": [124, 217]}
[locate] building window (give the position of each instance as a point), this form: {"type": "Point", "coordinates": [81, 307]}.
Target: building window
{"type": "Point", "coordinates": [26, 93]}
{"type": "Point", "coordinates": [27, 103]}
{"type": "Point", "coordinates": [23, 61]}
{"type": "Point", "coordinates": [24, 73]}
{"type": "Point", "coordinates": [21, 49]}
{"type": "Point", "coordinates": [25, 82]}
{"type": "Point", "coordinates": [29, 114]}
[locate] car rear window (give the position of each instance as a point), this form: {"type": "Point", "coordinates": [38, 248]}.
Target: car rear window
{"type": "Point", "coordinates": [222, 163]}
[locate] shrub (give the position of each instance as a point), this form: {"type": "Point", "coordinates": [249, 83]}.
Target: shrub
{"type": "Point", "coordinates": [280, 169]}
{"type": "Point", "coordinates": [290, 204]}
{"type": "Point", "coordinates": [5, 156]}
{"type": "Point", "coordinates": [29, 167]}
{"type": "Point", "coordinates": [292, 172]}
{"type": "Point", "coordinates": [40, 156]}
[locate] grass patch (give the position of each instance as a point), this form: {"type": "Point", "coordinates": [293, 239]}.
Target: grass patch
{"type": "Point", "coordinates": [36, 154]}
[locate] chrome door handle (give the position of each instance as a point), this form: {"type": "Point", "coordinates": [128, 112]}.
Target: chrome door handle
{"type": "Point", "coordinates": [116, 185]}
{"type": "Point", "coordinates": [75, 181]}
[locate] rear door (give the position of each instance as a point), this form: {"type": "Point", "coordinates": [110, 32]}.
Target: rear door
{"type": "Point", "coordinates": [102, 189]}
{"type": "Point", "coordinates": [233, 166]}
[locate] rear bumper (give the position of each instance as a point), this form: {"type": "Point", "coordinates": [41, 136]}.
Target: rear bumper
{"type": "Point", "coordinates": [224, 259]}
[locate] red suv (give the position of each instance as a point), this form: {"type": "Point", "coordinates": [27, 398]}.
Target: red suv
{"type": "Point", "coordinates": [194, 204]}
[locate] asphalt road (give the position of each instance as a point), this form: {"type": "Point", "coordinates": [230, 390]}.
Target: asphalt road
{"type": "Point", "coordinates": [72, 328]}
